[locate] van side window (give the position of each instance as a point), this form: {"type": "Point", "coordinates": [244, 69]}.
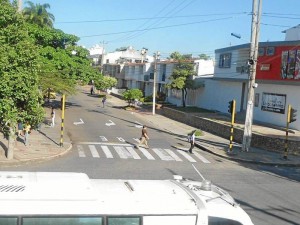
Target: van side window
{"type": "Point", "coordinates": [123, 220]}
{"type": "Point", "coordinates": [9, 220]}
{"type": "Point", "coordinates": [222, 221]}
{"type": "Point", "coordinates": [62, 220]}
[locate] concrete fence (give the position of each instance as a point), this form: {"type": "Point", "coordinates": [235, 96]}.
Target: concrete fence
{"type": "Point", "coordinates": [223, 130]}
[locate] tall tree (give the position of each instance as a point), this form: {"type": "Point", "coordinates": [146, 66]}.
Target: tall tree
{"type": "Point", "coordinates": [38, 14]}
{"type": "Point", "coordinates": [20, 99]}
{"type": "Point", "coordinates": [105, 83]}
{"type": "Point", "coordinates": [62, 62]}
{"type": "Point", "coordinates": [182, 76]}
{"type": "Point", "coordinates": [204, 56]}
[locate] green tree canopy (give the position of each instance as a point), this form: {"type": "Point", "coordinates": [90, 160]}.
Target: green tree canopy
{"type": "Point", "coordinates": [182, 76]}
{"type": "Point", "coordinates": [19, 93]}
{"type": "Point", "coordinates": [105, 82]}
{"type": "Point", "coordinates": [62, 63]}
{"type": "Point", "coordinates": [204, 56]}
{"type": "Point", "coordinates": [132, 94]}
{"type": "Point", "coordinates": [38, 14]}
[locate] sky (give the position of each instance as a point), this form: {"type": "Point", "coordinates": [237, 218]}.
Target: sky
{"type": "Point", "coordinates": [187, 26]}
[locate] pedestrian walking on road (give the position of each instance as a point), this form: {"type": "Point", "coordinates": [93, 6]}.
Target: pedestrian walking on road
{"type": "Point", "coordinates": [144, 137]}
{"type": "Point", "coordinates": [103, 101]}
{"type": "Point", "coordinates": [27, 132]}
{"type": "Point", "coordinates": [92, 90]}
{"type": "Point", "coordinates": [52, 117]}
{"type": "Point", "coordinates": [192, 141]}
{"type": "Point", "coordinates": [20, 128]}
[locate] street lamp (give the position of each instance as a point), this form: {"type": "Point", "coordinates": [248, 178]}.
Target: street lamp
{"type": "Point", "coordinates": [156, 56]}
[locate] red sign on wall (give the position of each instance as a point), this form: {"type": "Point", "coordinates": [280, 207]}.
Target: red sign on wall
{"type": "Point", "coordinates": [283, 64]}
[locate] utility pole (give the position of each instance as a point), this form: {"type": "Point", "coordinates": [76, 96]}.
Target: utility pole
{"type": "Point", "coordinates": [19, 6]}
{"type": "Point", "coordinates": [256, 15]}
{"type": "Point", "coordinates": [63, 106]}
{"type": "Point", "coordinates": [102, 57]}
{"type": "Point", "coordinates": [156, 55]}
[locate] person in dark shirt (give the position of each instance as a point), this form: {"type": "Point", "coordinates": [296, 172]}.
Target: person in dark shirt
{"type": "Point", "coordinates": [144, 137]}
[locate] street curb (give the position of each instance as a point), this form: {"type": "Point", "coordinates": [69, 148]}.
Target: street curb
{"type": "Point", "coordinates": [245, 160]}
{"type": "Point", "coordinates": [18, 162]}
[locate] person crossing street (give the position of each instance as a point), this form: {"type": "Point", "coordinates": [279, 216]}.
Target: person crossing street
{"type": "Point", "coordinates": [144, 137]}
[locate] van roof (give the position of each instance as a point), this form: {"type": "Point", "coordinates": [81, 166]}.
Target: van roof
{"type": "Point", "coordinates": [61, 192]}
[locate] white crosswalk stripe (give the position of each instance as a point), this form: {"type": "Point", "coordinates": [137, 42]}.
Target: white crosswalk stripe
{"type": "Point", "coordinates": [127, 151]}
{"type": "Point", "coordinates": [94, 152]}
{"type": "Point", "coordinates": [146, 153]}
{"type": "Point", "coordinates": [80, 151]}
{"type": "Point", "coordinates": [171, 153]}
{"type": "Point", "coordinates": [162, 154]}
{"type": "Point", "coordinates": [121, 152]}
{"type": "Point", "coordinates": [201, 157]}
{"type": "Point", "coordinates": [187, 156]}
{"type": "Point", "coordinates": [133, 153]}
{"type": "Point", "coordinates": [107, 152]}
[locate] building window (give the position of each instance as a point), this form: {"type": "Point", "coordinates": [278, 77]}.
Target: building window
{"type": "Point", "coordinates": [225, 60]}
{"type": "Point", "coordinates": [140, 69]}
{"type": "Point", "coordinates": [261, 51]}
{"type": "Point", "coordinates": [270, 51]}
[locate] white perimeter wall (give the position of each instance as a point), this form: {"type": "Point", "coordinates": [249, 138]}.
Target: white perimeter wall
{"type": "Point", "coordinates": [216, 95]}
{"type": "Point", "coordinates": [292, 98]}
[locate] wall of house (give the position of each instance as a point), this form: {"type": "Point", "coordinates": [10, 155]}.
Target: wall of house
{"type": "Point", "coordinates": [291, 92]}
{"type": "Point", "coordinates": [221, 129]}
{"type": "Point", "coordinates": [204, 67]}
{"type": "Point", "coordinates": [216, 95]}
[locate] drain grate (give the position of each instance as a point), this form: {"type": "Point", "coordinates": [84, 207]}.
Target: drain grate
{"type": "Point", "coordinates": [12, 188]}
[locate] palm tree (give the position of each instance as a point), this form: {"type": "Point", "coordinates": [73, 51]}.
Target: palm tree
{"type": "Point", "coordinates": [38, 14]}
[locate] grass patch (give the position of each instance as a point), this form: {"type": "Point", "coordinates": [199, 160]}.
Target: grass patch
{"type": "Point", "coordinates": [198, 133]}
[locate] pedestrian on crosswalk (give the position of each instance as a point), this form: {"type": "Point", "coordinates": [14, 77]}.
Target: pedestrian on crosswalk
{"type": "Point", "coordinates": [192, 141]}
{"type": "Point", "coordinates": [144, 137]}
{"type": "Point", "coordinates": [103, 101]}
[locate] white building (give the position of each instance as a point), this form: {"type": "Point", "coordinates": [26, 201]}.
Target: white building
{"type": "Point", "coordinates": [292, 34]}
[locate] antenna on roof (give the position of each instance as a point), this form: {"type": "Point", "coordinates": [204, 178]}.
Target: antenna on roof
{"type": "Point", "coordinates": [198, 172]}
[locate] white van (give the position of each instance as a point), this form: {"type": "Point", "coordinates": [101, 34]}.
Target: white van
{"type": "Point", "coordinates": [42, 198]}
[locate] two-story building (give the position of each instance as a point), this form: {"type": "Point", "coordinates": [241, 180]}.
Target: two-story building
{"type": "Point", "coordinates": [277, 78]}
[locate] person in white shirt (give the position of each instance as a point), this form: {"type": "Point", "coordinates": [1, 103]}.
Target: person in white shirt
{"type": "Point", "coordinates": [192, 142]}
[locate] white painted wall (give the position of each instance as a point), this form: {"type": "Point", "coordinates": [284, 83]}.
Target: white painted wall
{"type": "Point", "coordinates": [204, 67]}
{"type": "Point", "coordinates": [292, 97]}
{"type": "Point", "coordinates": [292, 34]}
{"type": "Point", "coordinates": [217, 94]}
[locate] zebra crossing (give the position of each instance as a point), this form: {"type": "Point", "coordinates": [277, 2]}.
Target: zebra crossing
{"type": "Point", "coordinates": [127, 151]}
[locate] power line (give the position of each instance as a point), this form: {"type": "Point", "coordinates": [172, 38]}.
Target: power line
{"type": "Point", "coordinates": [152, 18]}
{"type": "Point", "coordinates": [156, 28]}
{"type": "Point", "coordinates": [159, 21]}
{"type": "Point", "coordinates": [127, 36]}
{"type": "Point", "coordinates": [274, 25]}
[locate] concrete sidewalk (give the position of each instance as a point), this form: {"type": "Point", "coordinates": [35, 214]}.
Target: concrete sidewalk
{"type": "Point", "coordinates": [217, 145]}
{"type": "Point", "coordinates": [45, 144]}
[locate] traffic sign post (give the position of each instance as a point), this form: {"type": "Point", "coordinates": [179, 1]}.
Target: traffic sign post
{"type": "Point", "coordinates": [291, 117]}
{"type": "Point", "coordinates": [231, 110]}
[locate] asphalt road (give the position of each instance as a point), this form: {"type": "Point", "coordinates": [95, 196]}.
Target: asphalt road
{"type": "Point", "coordinates": [101, 144]}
